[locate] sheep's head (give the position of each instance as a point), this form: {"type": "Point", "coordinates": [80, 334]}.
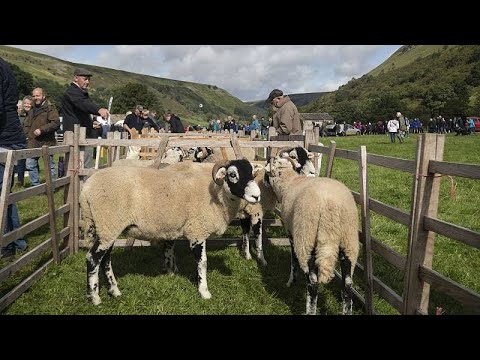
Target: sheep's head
{"type": "Point", "coordinates": [303, 159]}
{"type": "Point", "coordinates": [237, 177]}
{"type": "Point", "coordinates": [201, 153]}
{"type": "Point", "coordinates": [175, 152]}
{"type": "Point", "coordinates": [278, 166]}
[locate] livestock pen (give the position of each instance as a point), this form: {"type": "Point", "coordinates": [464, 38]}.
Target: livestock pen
{"type": "Point", "coordinates": [65, 220]}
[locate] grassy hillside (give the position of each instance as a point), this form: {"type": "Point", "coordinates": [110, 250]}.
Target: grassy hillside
{"type": "Point", "coordinates": [181, 97]}
{"type": "Point", "coordinates": [422, 81]}
{"type": "Point", "coordinates": [406, 55]}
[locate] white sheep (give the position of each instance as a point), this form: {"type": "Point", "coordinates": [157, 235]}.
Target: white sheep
{"type": "Point", "coordinates": [193, 215]}
{"type": "Point", "coordinates": [321, 218]}
{"type": "Point", "coordinates": [251, 215]}
{"type": "Point", "coordinates": [170, 156]}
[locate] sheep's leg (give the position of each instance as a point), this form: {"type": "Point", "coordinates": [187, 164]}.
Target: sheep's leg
{"type": "Point", "coordinates": [312, 287]}
{"type": "Point", "coordinates": [257, 232]}
{"type": "Point", "coordinates": [94, 258]}
{"type": "Point", "coordinates": [294, 266]}
{"type": "Point", "coordinates": [106, 265]}
{"type": "Point", "coordinates": [347, 282]}
{"type": "Point", "coordinates": [170, 265]}
{"type": "Point", "coordinates": [200, 253]}
{"type": "Point", "coordinates": [245, 250]}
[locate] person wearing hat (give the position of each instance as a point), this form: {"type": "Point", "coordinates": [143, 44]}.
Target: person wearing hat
{"type": "Point", "coordinates": [77, 107]}
{"type": "Point", "coordinates": [286, 119]}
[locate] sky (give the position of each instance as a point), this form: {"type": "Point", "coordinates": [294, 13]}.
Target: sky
{"type": "Point", "coordinates": [248, 72]}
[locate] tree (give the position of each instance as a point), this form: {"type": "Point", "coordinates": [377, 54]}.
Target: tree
{"type": "Point", "coordinates": [24, 81]}
{"type": "Point", "coordinates": [473, 79]}
{"type": "Point", "coordinates": [132, 94]}
{"type": "Point", "coordinates": [436, 97]}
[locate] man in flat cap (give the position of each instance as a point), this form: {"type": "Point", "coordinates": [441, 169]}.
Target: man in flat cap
{"type": "Point", "coordinates": [286, 119]}
{"type": "Point", "coordinates": [77, 107]}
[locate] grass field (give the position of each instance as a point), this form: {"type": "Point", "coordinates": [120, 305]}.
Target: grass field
{"type": "Point", "coordinates": [239, 286]}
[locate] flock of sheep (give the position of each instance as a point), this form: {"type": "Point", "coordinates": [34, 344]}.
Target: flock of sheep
{"type": "Point", "coordinates": [319, 214]}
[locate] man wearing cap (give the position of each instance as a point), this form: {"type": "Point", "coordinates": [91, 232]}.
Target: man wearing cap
{"type": "Point", "coordinates": [286, 119]}
{"type": "Point", "coordinates": [77, 107]}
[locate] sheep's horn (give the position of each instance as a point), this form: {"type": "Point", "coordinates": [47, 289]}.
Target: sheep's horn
{"type": "Point", "coordinates": [216, 167]}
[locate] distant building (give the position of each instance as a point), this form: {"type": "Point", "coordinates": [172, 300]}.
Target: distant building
{"type": "Point", "coordinates": [311, 119]}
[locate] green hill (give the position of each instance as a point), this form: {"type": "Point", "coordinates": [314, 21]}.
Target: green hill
{"type": "Point", "coordinates": [420, 80]}
{"type": "Point", "coordinates": [182, 97]}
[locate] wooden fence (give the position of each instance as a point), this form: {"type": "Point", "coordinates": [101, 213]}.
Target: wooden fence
{"type": "Point", "coordinates": [421, 220]}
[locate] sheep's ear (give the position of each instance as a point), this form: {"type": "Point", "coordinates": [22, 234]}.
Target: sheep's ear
{"type": "Point", "coordinates": [256, 169]}
{"type": "Point", "coordinates": [310, 155]}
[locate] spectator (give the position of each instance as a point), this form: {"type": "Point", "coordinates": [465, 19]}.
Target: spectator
{"type": "Point", "coordinates": [265, 124]}
{"type": "Point", "coordinates": [392, 127]}
{"type": "Point", "coordinates": [286, 119]}
{"type": "Point", "coordinates": [175, 123]}
{"type": "Point", "coordinates": [402, 126]}
{"type": "Point", "coordinates": [21, 167]}
{"type": "Point", "coordinates": [77, 108]}
{"type": "Point", "coordinates": [39, 127]}
{"type": "Point", "coordinates": [134, 121]}
{"type": "Point", "coordinates": [12, 137]}
{"type": "Point", "coordinates": [255, 125]}
{"type": "Point", "coordinates": [148, 122]}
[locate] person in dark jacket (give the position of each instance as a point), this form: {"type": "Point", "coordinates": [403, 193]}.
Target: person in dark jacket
{"type": "Point", "coordinates": [40, 126]}
{"type": "Point", "coordinates": [176, 125]}
{"type": "Point", "coordinates": [12, 137]}
{"type": "Point", "coordinates": [77, 107]}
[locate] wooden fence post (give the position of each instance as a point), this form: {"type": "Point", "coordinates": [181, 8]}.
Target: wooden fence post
{"type": "Point", "coordinates": [425, 193]}
{"type": "Point", "coordinates": [75, 179]}
{"type": "Point", "coordinates": [68, 196]}
{"type": "Point", "coordinates": [51, 204]}
{"type": "Point", "coordinates": [367, 246]}
{"type": "Point", "coordinates": [312, 139]}
{"type": "Point", "coordinates": [331, 157]}
{"type": "Point", "coordinates": [7, 184]}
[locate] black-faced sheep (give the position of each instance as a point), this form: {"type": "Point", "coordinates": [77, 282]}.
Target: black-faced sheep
{"type": "Point", "coordinates": [210, 211]}
{"type": "Point", "coordinates": [251, 215]}
{"type": "Point", "coordinates": [321, 218]}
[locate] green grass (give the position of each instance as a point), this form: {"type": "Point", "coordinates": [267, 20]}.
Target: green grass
{"type": "Point", "coordinates": [239, 286]}
{"type": "Point", "coordinates": [457, 261]}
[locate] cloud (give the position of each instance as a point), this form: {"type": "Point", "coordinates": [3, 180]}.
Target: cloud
{"type": "Point", "coordinates": [248, 72]}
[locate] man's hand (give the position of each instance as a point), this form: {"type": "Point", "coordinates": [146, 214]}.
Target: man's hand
{"type": "Point", "coordinates": [37, 132]}
{"type": "Point", "coordinates": [104, 113]}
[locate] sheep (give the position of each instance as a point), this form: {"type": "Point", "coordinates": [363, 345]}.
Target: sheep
{"type": "Point", "coordinates": [320, 216]}
{"type": "Point", "coordinates": [251, 215]}
{"type": "Point", "coordinates": [209, 212]}
{"type": "Point", "coordinates": [170, 156]}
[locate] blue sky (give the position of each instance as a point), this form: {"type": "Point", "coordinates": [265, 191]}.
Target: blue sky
{"type": "Point", "coordinates": [248, 72]}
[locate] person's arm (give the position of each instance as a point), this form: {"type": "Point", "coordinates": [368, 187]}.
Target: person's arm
{"type": "Point", "coordinates": [86, 104]}
{"type": "Point", "coordinates": [153, 124]}
{"type": "Point", "coordinates": [126, 127]}
{"type": "Point", "coordinates": [53, 121]}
